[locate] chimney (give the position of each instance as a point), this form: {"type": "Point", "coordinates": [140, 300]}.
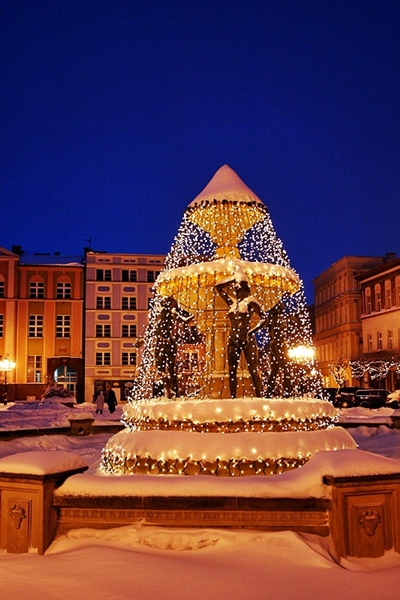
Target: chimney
{"type": "Point", "coordinates": [389, 256]}
{"type": "Point", "coordinates": [17, 250]}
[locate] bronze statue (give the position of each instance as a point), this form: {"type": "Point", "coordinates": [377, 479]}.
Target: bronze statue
{"type": "Point", "coordinates": [241, 335]}
{"type": "Point", "coordinates": [166, 346]}
{"type": "Point", "coordinates": [276, 326]}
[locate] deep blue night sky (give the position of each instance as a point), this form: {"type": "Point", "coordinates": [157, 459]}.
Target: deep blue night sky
{"type": "Point", "coordinates": [115, 115]}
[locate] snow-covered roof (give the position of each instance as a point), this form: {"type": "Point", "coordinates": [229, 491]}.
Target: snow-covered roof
{"type": "Point", "coordinates": [226, 185]}
{"type": "Point", "coordinates": [51, 259]}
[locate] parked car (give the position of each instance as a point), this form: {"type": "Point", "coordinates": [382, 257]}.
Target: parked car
{"type": "Point", "coordinates": [329, 394]}
{"type": "Point", "coordinates": [345, 396]}
{"type": "Point", "coordinates": [369, 398]}
{"type": "Point", "coordinates": [393, 400]}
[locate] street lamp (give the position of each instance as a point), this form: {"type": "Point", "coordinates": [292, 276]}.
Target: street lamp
{"type": "Point", "coordinates": [302, 353]}
{"type": "Point", "coordinates": [6, 365]}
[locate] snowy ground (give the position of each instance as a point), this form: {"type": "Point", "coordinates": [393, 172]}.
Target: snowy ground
{"type": "Point", "coordinates": [144, 563]}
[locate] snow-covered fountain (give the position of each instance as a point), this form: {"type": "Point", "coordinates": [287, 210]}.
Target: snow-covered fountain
{"type": "Point", "coordinates": [228, 388]}
{"type": "Point", "coordinates": [218, 393]}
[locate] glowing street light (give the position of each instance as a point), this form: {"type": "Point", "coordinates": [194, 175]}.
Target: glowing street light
{"type": "Point", "coordinates": [6, 365]}
{"type": "Point", "coordinates": [301, 353]}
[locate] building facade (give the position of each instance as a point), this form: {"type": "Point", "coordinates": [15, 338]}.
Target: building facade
{"type": "Point", "coordinates": [75, 321]}
{"type": "Point", "coordinates": [380, 319]}
{"type": "Point", "coordinates": [337, 306]}
{"type": "Point", "coordinates": [118, 292]}
{"type": "Point", "coordinates": [8, 312]}
{"type": "Point", "coordinates": [42, 315]}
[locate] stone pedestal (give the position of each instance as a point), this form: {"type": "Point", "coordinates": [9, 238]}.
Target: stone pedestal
{"type": "Point", "coordinates": [28, 519]}
{"type": "Point", "coordinates": [365, 516]}
{"type": "Point", "coordinates": [395, 418]}
{"type": "Point", "coordinates": [81, 424]}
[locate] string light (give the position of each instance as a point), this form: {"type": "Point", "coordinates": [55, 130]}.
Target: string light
{"type": "Point", "coordinates": [223, 238]}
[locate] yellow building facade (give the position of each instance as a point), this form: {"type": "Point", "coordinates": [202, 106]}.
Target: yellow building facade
{"type": "Point", "coordinates": [337, 302]}
{"type": "Point", "coordinates": [42, 312]}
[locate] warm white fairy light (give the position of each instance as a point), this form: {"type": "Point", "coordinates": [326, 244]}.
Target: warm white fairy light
{"type": "Point", "coordinates": [218, 237]}
{"type": "Point", "coordinates": [302, 353]}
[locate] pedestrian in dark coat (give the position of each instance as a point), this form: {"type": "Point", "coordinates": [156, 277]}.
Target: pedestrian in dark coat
{"type": "Point", "coordinates": [110, 398]}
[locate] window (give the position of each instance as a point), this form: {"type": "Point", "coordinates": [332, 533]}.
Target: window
{"type": "Point", "coordinates": [34, 369]}
{"type": "Point", "coordinates": [369, 342]}
{"type": "Point", "coordinates": [368, 303]}
{"type": "Point", "coordinates": [103, 302]}
{"type": "Point", "coordinates": [63, 326]}
{"type": "Point", "coordinates": [379, 342]}
{"type": "Point", "coordinates": [388, 294]}
{"type": "Point", "coordinates": [103, 274]}
{"type": "Point", "coordinates": [63, 289]}
{"type": "Point", "coordinates": [2, 289]}
{"type": "Point", "coordinates": [103, 358]}
{"type": "Point", "coordinates": [128, 275]}
{"type": "Point", "coordinates": [129, 303]}
{"type": "Point", "coordinates": [103, 330]}
{"type": "Point", "coordinates": [190, 361]}
{"type": "Point", "coordinates": [378, 297]}
{"type": "Point", "coordinates": [129, 358]}
{"type": "Point", "coordinates": [35, 326]}
{"type": "Point", "coordinates": [129, 331]}
{"type": "Point", "coordinates": [390, 339]}
{"type": "Point", "coordinates": [36, 289]}
{"type": "Point", "coordinates": [152, 276]}
{"type": "Point", "coordinates": [1, 325]}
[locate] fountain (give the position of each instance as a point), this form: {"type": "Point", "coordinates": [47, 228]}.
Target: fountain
{"type": "Point", "coordinates": [218, 393]}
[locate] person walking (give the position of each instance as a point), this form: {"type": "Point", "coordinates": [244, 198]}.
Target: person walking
{"type": "Point", "coordinates": [100, 402]}
{"type": "Point", "coordinates": [110, 398]}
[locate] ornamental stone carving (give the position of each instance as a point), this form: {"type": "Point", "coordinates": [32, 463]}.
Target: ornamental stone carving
{"type": "Point", "coordinates": [369, 521]}
{"type": "Point", "coordinates": [17, 514]}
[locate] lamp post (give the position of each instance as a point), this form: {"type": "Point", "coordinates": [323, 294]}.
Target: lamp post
{"type": "Point", "coordinates": [6, 365]}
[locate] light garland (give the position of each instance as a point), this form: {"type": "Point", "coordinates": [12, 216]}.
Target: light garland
{"type": "Point", "coordinates": [223, 237]}
{"type": "Point", "coordinates": [139, 465]}
{"type": "Point", "coordinates": [256, 425]}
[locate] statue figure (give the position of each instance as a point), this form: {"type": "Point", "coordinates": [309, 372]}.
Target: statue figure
{"type": "Point", "coordinates": [276, 326]}
{"type": "Point", "coordinates": [241, 336]}
{"type": "Point", "coordinates": [166, 346]}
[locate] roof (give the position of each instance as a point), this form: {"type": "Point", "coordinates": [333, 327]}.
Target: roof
{"type": "Point", "coordinates": [51, 260]}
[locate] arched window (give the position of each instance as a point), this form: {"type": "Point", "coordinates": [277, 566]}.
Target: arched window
{"type": "Point", "coordinates": [368, 302]}
{"type": "Point", "coordinates": [378, 297]}
{"type": "Point", "coordinates": [388, 294]}
{"type": "Point", "coordinates": [397, 284]}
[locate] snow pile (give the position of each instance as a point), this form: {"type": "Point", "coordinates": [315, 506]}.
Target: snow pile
{"type": "Point", "coordinates": [39, 415]}
{"type": "Point", "coordinates": [81, 416]}
{"type": "Point", "coordinates": [244, 270]}
{"type": "Point", "coordinates": [41, 463]}
{"type": "Point", "coordinates": [202, 564]}
{"type": "Point", "coordinates": [211, 446]}
{"type": "Point", "coordinates": [359, 414]}
{"type": "Point", "coordinates": [226, 185]}
{"type": "Point", "coordinates": [305, 482]}
{"type": "Point", "coordinates": [230, 409]}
